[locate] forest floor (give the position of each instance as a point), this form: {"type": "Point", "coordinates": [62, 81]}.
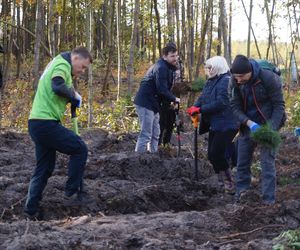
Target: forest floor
{"type": "Point", "coordinates": [143, 201]}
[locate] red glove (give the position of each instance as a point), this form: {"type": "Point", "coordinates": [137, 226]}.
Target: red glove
{"type": "Point", "coordinates": [193, 110]}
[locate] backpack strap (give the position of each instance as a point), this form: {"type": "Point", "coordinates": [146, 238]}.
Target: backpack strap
{"type": "Point", "coordinates": [255, 100]}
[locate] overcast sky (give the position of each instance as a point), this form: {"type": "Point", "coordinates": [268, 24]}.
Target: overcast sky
{"type": "Point", "coordinates": [260, 25]}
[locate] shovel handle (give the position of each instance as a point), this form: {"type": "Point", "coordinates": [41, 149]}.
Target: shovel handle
{"type": "Point", "coordinates": [74, 120]}
{"type": "Point", "coordinates": [195, 120]}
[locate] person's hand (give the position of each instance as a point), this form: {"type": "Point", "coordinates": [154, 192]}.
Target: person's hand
{"type": "Point", "coordinates": [253, 126]}
{"type": "Point", "coordinates": [297, 131]}
{"type": "Point", "coordinates": [79, 99]}
{"type": "Point", "coordinates": [177, 100]}
{"type": "Point", "coordinates": [193, 110]}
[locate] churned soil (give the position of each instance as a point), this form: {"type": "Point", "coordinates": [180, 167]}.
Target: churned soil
{"type": "Point", "coordinates": [148, 201]}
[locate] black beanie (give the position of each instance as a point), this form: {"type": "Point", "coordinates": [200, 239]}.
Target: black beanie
{"type": "Point", "coordinates": [241, 65]}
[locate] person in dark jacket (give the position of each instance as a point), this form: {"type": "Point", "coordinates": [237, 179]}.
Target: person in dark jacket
{"type": "Point", "coordinates": [217, 118]}
{"type": "Point", "coordinates": [155, 88]}
{"type": "Point", "coordinates": [256, 98]}
{"type": "Point", "coordinates": [167, 114]}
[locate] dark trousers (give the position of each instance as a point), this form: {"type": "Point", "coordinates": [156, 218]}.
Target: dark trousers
{"type": "Point", "coordinates": [49, 137]}
{"type": "Point", "coordinates": [218, 145]}
{"type": "Point", "coordinates": [166, 123]}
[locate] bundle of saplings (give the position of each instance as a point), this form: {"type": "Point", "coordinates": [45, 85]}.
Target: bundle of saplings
{"type": "Point", "coordinates": [266, 136]}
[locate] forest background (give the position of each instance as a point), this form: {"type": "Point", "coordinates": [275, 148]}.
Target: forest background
{"type": "Point", "coordinates": [126, 37]}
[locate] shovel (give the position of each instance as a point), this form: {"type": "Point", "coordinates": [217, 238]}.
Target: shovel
{"type": "Point", "coordinates": [76, 131]}
{"type": "Point", "coordinates": [177, 123]}
{"type": "Point", "coordinates": [74, 120]}
{"type": "Point", "coordinates": [195, 120]}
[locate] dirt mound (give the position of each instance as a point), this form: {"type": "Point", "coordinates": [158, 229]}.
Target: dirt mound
{"type": "Point", "coordinates": [139, 201]}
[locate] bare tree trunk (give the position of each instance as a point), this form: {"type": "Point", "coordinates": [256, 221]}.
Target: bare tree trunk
{"type": "Point", "coordinates": [38, 40]}
{"type": "Point", "coordinates": [7, 43]}
{"type": "Point", "coordinates": [177, 23]}
{"type": "Point", "coordinates": [224, 24]}
{"type": "Point", "coordinates": [292, 53]}
{"type": "Point", "coordinates": [110, 29]}
{"type": "Point", "coordinates": [153, 34]}
{"type": "Point", "coordinates": [205, 24]}
{"type": "Point", "coordinates": [51, 34]}
{"type": "Point", "coordinates": [270, 20]}
{"type": "Point", "coordinates": [130, 69]}
{"type": "Point", "coordinates": [158, 25]}
{"type": "Point", "coordinates": [209, 33]}
{"type": "Point", "coordinates": [171, 19]}
{"type": "Point", "coordinates": [105, 21]}
{"type": "Point", "coordinates": [183, 34]}
{"type": "Point", "coordinates": [142, 32]}
{"type": "Point", "coordinates": [229, 33]}
{"type": "Point", "coordinates": [74, 37]}
{"type": "Point", "coordinates": [63, 27]}
{"type": "Point", "coordinates": [190, 43]}
{"type": "Point", "coordinates": [255, 40]}
{"type": "Point", "coordinates": [249, 29]}
{"type": "Point", "coordinates": [119, 47]}
{"type": "Point", "coordinates": [19, 43]}
{"type": "Point", "coordinates": [219, 46]}
{"type": "Point", "coordinates": [89, 28]}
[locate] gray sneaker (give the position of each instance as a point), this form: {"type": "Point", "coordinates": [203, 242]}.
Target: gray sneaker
{"type": "Point", "coordinates": [79, 198]}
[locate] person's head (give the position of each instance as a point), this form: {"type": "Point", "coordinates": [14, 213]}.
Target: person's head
{"type": "Point", "coordinates": [241, 69]}
{"type": "Point", "coordinates": [80, 59]}
{"type": "Point", "coordinates": [169, 53]}
{"type": "Point", "coordinates": [216, 65]}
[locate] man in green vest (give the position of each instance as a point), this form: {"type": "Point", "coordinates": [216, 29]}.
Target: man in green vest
{"type": "Point", "coordinates": [55, 90]}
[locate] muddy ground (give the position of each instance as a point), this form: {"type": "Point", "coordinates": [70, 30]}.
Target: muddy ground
{"type": "Point", "coordinates": [143, 201]}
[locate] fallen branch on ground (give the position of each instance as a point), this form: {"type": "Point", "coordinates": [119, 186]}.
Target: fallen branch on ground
{"type": "Point", "coordinates": [250, 232]}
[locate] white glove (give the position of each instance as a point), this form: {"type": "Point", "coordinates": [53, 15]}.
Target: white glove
{"type": "Point", "coordinates": [78, 98]}
{"type": "Point", "coordinates": [177, 100]}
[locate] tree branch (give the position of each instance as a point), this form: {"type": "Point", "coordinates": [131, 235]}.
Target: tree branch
{"type": "Point", "coordinates": [29, 32]}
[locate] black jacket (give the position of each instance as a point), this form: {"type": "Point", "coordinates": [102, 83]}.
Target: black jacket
{"type": "Point", "coordinates": [260, 99]}
{"type": "Point", "coordinates": [155, 86]}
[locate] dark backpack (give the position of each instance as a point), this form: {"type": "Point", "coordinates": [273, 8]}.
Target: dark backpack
{"type": "Point", "coordinates": [265, 64]}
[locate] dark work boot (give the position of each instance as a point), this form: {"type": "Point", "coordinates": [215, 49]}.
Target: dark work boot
{"type": "Point", "coordinates": [79, 198]}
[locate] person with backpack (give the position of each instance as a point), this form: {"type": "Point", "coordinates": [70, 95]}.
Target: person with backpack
{"type": "Point", "coordinates": [154, 89]}
{"type": "Point", "coordinates": [256, 99]}
{"type": "Point", "coordinates": [217, 118]}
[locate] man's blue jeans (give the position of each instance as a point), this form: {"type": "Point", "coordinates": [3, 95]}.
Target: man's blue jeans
{"type": "Point", "coordinates": [246, 148]}
{"type": "Point", "coordinates": [49, 137]}
{"type": "Point", "coordinates": [150, 130]}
